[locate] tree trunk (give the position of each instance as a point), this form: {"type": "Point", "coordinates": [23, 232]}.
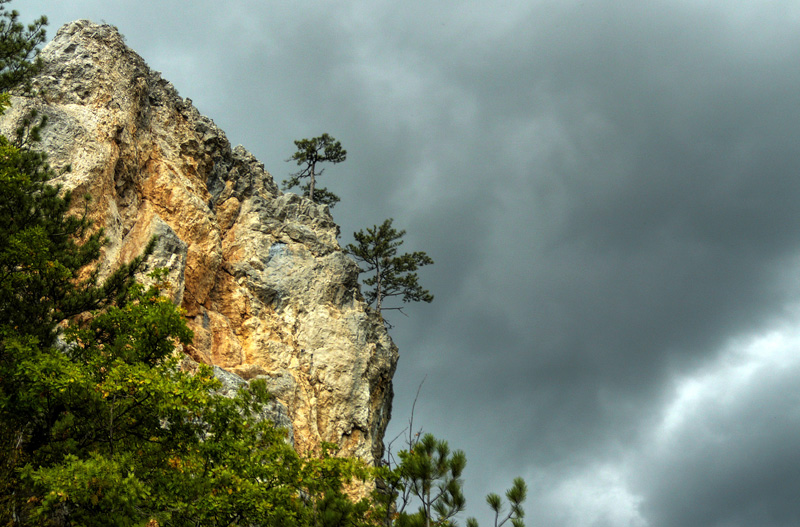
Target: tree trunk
{"type": "Point", "coordinates": [378, 292]}
{"type": "Point", "coordinates": [311, 185]}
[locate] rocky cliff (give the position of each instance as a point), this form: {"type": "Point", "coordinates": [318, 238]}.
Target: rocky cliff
{"type": "Point", "coordinates": [260, 274]}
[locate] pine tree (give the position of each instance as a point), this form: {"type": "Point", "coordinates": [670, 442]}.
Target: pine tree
{"type": "Point", "coordinates": [19, 48]}
{"type": "Point", "coordinates": [428, 475]}
{"type": "Point", "coordinates": [322, 149]}
{"type": "Point", "coordinates": [432, 474]}
{"type": "Point", "coordinates": [390, 275]}
{"type": "Point", "coordinates": [45, 251]}
{"type": "Point", "coordinates": [516, 496]}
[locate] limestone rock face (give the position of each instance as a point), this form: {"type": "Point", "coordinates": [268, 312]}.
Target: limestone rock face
{"type": "Point", "coordinates": [260, 274]}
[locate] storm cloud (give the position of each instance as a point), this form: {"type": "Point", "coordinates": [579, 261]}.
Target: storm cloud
{"type": "Point", "coordinates": [609, 191]}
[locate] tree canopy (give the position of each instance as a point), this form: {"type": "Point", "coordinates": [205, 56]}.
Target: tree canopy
{"type": "Point", "coordinates": [391, 275]}
{"type": "Point", "coordinates": [310, 152]}
{"type": "Point", "coordinates": [427, 475]}
{"type": "Point", "coordinates": [19, 48]}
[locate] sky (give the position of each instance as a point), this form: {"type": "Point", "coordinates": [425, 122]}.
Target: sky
{"type": "Point", "coordinates": [610, 191]}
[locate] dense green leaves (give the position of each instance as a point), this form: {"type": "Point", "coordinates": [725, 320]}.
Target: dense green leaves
{"type": "Point", "coordinates": [310, 152]}
{"type": "Point", "coordinates": [108, 430]}
{"type": "Point", "coordinates": [390, 274]}
{"type": "Point", "coordinates": [19, 47]}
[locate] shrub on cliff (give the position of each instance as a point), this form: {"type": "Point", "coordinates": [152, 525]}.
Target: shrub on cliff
{"type": "Point", "coordinates": [98, 424]}
{"type": "Point", "coordinates": [107, 430]}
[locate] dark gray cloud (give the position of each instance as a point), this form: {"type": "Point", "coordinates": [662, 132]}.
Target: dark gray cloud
{"type": "Point", "coordinates": [723, 453]}
{"type": "Point", "coordinates": [609, 190]}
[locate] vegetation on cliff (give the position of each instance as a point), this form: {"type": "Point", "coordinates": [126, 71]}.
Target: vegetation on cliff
{"type": "Point", "coordinates": [100, 423]}
{"type": "Point", "coordinates": [390, 274]}
{"type": "Point", "coordinates": [310, 152]}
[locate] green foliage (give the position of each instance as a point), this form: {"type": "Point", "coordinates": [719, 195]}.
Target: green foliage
{"type": "Point", "coordinates": [326, 496]}
{"type": "Point", "coordinates": [79, 409]}
{"type": "Point", "coordinates": [432, 474]}
{"type": "Point", "coordinates": [44, 251]}
{"type": "Point", "coordinates": [391, 275]}
{"type": "Point", "coordinates": [19, 48]}
{"type": "Point", "coordinates": [516, 496]}
{"type": "Point", "coordinates": [19, 62]}
{"type": "Point", "coordinates": [93, 485]}
{"type": "Point", "coordinates": [108, 430]}
{"type": "Point", "coordinates": [429, 475]}
{"type": "Point", "coordinates": [322, 149]}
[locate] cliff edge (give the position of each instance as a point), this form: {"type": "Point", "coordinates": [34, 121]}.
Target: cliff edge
{"type": "Point", "coordinates": [260, 275]}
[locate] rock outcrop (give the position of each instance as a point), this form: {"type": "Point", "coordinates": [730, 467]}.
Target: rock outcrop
{"type": "Point", "coordinates": [260, 274]}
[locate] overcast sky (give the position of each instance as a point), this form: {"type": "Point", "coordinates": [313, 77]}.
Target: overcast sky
{"type": "Point", "coordinates": [611, 192]}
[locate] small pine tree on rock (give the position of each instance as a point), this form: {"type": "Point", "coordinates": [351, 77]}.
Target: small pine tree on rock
{"type": "Point", "coordinates": [391, 274]}
{"type": "Point", "coordinates": [310, 152]}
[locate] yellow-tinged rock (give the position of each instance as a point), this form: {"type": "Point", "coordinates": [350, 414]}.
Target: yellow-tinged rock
{"type": "Point", "coordinates": [260, 275]}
